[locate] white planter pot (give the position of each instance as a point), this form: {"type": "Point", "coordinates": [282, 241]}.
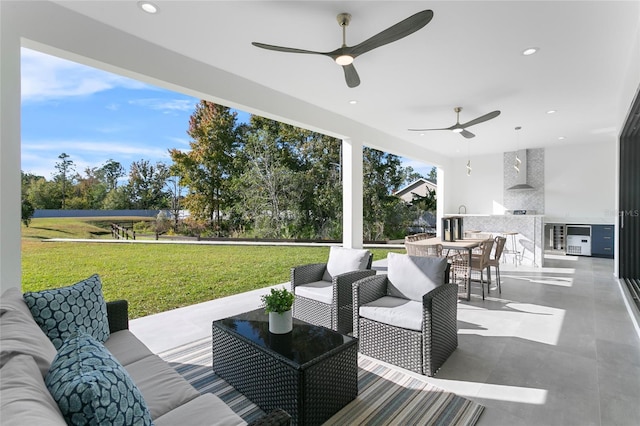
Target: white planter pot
{"type": "Point", "coordinates": [280, 323]}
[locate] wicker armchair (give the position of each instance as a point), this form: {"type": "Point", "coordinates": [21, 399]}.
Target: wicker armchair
{"type": "Point", "coordinates": [418, 331]}
{"type": "Point", "coordinates": [322, 291]}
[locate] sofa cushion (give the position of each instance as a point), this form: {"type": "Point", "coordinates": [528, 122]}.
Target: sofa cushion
{"type": "Point", "coordinates": [343, 260]}
{"type": "Point", "coordinates": [91, 387]}
{"type": "Point", "coordinates": [394, 311]}
{"type": "Point", "coordinates": [126, 347]}
{"type": "Point", "coordinates": [411, 277]}
{"type": "Point", "coordinates": [24, 398]}
{"type": "Point", "coordinates": [207, 409]}
{"type": "Point", "coordinates": [78, 307]}
{"type": "Point", "coordinates": [322, 291]}
{"type": "Point", "coordinates": [19, 333]}
{"type": "Point", "coordinates": [162, 387]}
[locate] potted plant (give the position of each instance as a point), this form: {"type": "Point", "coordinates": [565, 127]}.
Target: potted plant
{"type": "Point", "coordinates": [278, 305]}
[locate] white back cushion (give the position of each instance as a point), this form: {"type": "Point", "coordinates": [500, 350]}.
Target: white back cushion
{"type": "Point", "coordinates": [343, 260]}
{"type": "Point", "coordinates": [411, 277]}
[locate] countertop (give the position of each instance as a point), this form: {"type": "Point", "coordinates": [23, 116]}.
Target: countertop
{"type": "Point", "coordinates": [491, 215]}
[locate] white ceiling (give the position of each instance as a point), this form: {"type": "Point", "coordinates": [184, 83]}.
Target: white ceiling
{"type": "Point", "coordinates": [469, 55]}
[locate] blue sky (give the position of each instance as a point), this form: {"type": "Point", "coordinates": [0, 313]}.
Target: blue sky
{"type": "Point", "coordinates": [94, 116]}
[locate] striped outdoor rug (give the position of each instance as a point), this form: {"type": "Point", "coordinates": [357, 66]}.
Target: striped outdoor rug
{"type": "Point", "coordinates": [386, 396]}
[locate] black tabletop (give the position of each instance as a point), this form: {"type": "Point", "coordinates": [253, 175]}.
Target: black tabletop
{"type": "Point", "coordinates": [303, 344]}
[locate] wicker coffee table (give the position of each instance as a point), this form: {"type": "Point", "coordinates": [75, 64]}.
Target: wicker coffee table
{"type": "Point", "coordinates": [311, 372]}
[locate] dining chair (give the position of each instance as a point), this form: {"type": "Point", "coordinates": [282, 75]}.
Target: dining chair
{"type": "Point", "coordinates": [417, 249]}
{"type": "Point", "coordinates": [495, 260]}
{"type": "Point", "coordinates": [479, 263]}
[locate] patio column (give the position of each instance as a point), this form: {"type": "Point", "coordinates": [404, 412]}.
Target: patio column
{"type": "Point", "coordinates": [352, 221]}
{"type": "Point", "coordinates": [10, 208]}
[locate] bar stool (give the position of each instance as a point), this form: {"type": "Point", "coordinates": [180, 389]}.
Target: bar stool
{"type": "Point", "coordinates": [513, 249]}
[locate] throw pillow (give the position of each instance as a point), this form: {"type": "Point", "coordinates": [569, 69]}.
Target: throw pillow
{"type": "Point", "coordinates": [411, 277]}
{"type": "Point", "coordinates": [62, 311]}
{"type": "Point", "coordinates": [342, 260]}
{"type": "Point", "coordinates": [90, 386]}
{"type": "Point", "coordinates": [24, 398]}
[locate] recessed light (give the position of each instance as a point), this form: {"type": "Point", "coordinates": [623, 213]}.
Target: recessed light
{"type": "Point", "coordinates": [148, 7]}
{"type": "Point", "coordinates": [551, 111]}
{"type": "Point", "coordinates": [421, 134]}
{"type": "Point", "coordinates": [530, 51]}
{"type": "Point", "coordinates": [353, 102]}
{"type": "Point", "coordinates": [561, 138]}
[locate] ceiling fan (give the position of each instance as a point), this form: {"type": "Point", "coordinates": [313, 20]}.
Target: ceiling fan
{"type": "Point", "coordinates": [462, 128]}
{"type": "Point", "coordinates": [345, 55]}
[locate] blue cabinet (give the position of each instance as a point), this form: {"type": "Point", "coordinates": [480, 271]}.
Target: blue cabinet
{"type": "Point", "coordinates": [602, 240]}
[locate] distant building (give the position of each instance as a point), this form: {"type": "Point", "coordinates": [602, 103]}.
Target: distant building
{"type": "Point", "coordinates": [426, 222]}
{"type": "Point", "coordinates": [418, 187]}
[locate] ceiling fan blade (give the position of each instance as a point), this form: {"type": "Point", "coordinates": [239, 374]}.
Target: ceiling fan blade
{"type": "Point", "coordinates": [402, 29]}
{"type": "Point", "coordinates": [482, 119]}
{"type": "Point", "coordinates": [351, 75]}
{"type": "Point", "coordinates": [427, 130]}
{"type": "Point", "coordinates": [287, 49]}
{"type": "Point", "coordinates": [467, 134]}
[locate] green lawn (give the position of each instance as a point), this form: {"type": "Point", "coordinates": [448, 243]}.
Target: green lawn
{"type": "Point", "coordinates": [155, 277]}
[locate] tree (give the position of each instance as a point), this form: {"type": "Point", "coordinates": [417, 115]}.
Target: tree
{"type": "Point", "coordinates": [118, 199]}
{"type": "Point", "coordinates": [207, 168]}
{"type": "Point", "coordinates": [383, 174]}
{"type": "Point", "coordinates": [433, 175]}
{"type": "Point", "coordinates": [268, 186]}
{"type": "Point", "coordinates": [146, 185]}
{"type": "Point", "coordinates": [27, 212]}
{"type": "Point", "coordinates": [43, 194]}
{"type": "Point", "coordinates": [109, 173]}
{"type": "Point", "coordinates": [88, 192]}
{"type": "Point", "coordinates": [424, 209]}
{"type": "Point", "coordinates": [175, 194]}
{"type": "Point", "coordinates": [65, 168]}
{"type": "Point", "coordinates": [319, 213]}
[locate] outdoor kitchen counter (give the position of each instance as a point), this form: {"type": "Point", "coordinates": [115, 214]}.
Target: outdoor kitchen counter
{"type": "Point", "coordinates": [529, 239]}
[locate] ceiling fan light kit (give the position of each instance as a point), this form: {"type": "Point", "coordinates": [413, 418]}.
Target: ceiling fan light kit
{"type": "Point", "coordinates": [345, 55]}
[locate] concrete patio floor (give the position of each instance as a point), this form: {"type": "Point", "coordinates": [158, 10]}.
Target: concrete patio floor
{"type": "Point", "coordinates": [557, 347]}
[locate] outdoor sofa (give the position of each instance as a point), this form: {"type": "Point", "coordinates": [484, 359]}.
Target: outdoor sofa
{"type": "Point", "coordinates": [90, 367]}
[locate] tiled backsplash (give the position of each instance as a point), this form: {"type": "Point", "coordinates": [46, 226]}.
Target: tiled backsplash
{"type": "Point", "coordinates": [525, 199]}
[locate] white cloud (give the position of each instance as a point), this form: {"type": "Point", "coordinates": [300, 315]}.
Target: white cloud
{"type": "Point", "coordinates": [417, 166]}
{"type": "Point", "coordinates": [46, 77]}
{"type": "Point", "coordinates": [180, 141]}
{"type": "Point", "coordinates": [167, 105]}
{"type": "Point", "coordinates": [39, 157]}
{"type": "Point", "coordinates": [108, 149]}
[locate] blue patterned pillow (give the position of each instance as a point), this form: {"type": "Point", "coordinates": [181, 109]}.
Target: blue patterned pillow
{"type": "Point", "coordinates": [78, 307]}
{"type": "Point", "coordinates": [91, 387]}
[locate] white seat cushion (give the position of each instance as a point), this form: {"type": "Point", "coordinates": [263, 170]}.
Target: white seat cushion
{"type": "Point", "coordinates": [126, 347]}
{"type": "Point", "coordinates": [161, 386]}
{"type": "Point", "coordinates": [207, 409]}
{"type": "Point", "coordinates": [322, 291]}
{"type": "Point", "coordinates": [411, 277]}
{"type": "Point", "coordinates": [342, 260]}
{"type": "Point", "coordinates": [394, 311]}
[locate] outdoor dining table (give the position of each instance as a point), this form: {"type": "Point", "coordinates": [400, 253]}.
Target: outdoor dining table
{"type": "Point", "coordinates": [467, 244]}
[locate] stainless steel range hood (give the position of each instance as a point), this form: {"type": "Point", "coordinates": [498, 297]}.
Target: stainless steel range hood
{"type": "Point", "coordinates": [521, 177]}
